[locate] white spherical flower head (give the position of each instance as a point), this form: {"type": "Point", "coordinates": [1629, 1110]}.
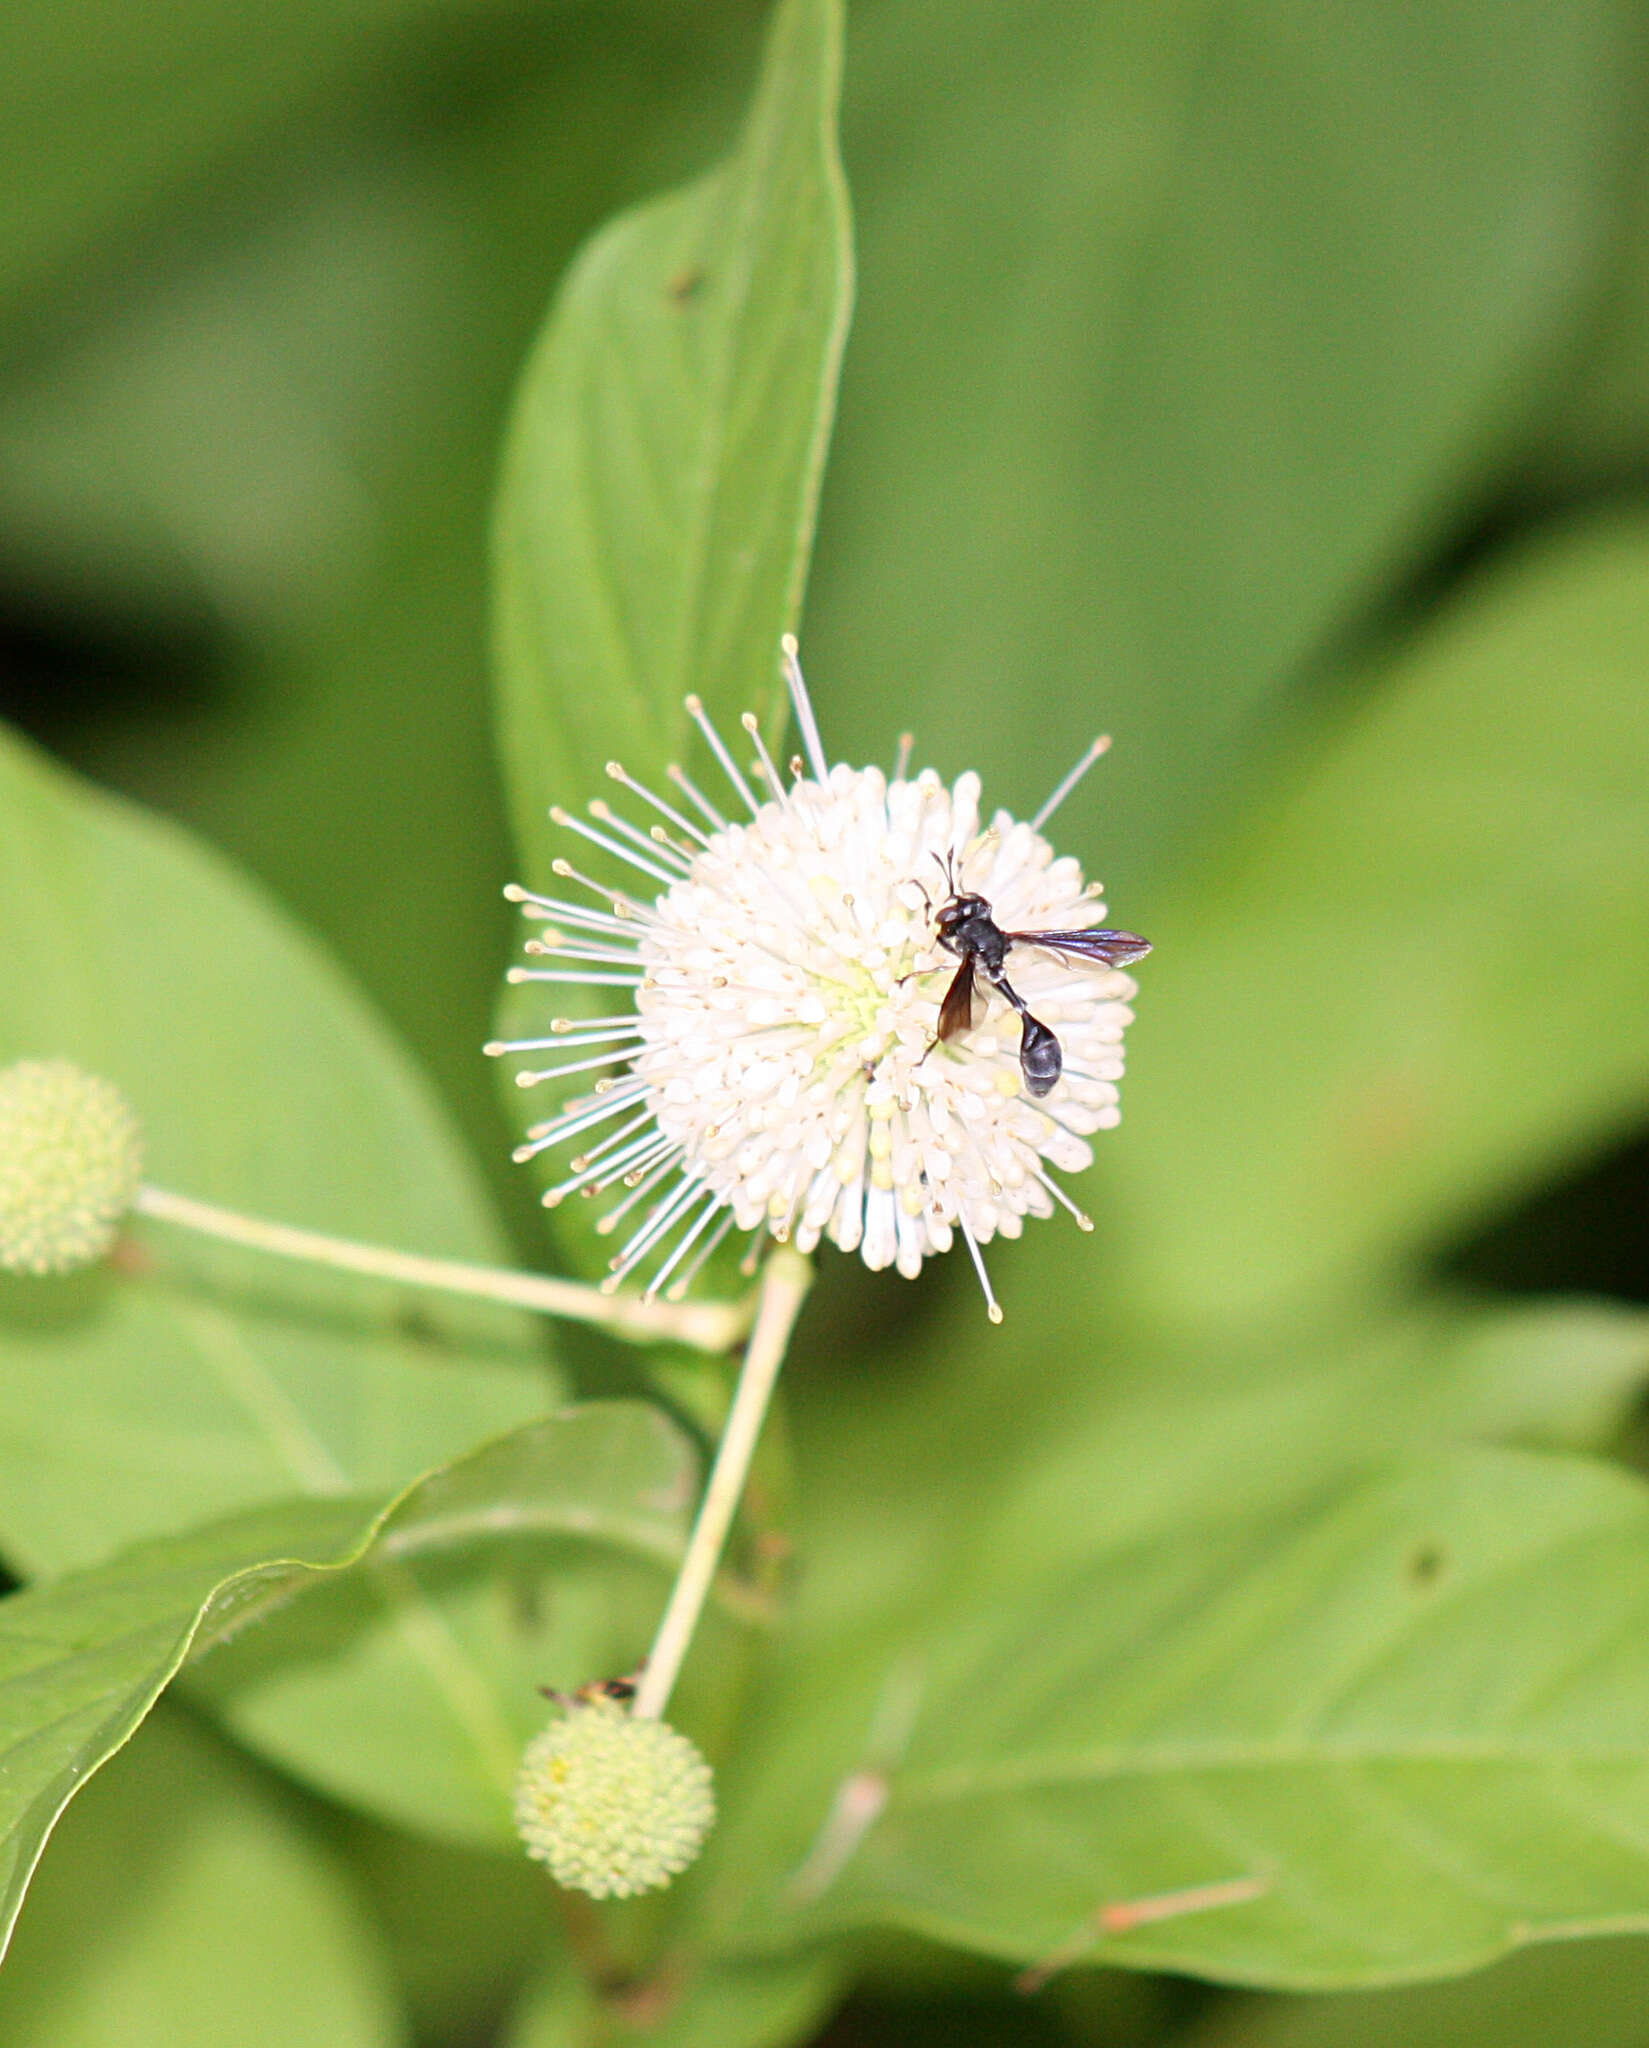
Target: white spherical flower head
{"type": "Point", "coordinates": [860, 1013]}
{"type": "Point", "coordinates": [613, 1805]}
{"type": "Point", "coordinates": [71, 1156]}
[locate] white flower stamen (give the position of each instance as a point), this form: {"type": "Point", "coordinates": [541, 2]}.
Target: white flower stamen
{"type": "Point", "coordinates": [664, 810]}
{"type": "Point", "coordinates": [656, 840]}
{"type": "Point", "coordinates": [689, 791]}
{"type": "Point", "coordinates": [678, 1289]}
{"type": "Point", "coordinates": [993, 1308]}
{"type": "Point", "coordinates": [729, 767]}
{"type": "Point", "coordinates": [558, 816]}
{"type": "Point", "coordinates": [806, 723]}
{"type": "Point", "coordinates": [770, 774]}
{"type": "Point", "coordinates": [782, 1071]}
{"type": "Point", "coordinates": [1063, 788]}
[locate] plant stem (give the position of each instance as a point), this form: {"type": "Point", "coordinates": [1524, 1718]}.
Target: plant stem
{"type": "Point", "coordinates": [706, 1326]}
{"type": "Point", "coordinates": [784, 1289]}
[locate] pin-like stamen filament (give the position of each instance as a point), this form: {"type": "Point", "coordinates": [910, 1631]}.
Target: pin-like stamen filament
{"type": "Point", "coordinates": [623, 904]}
{"type": "Point", "coordinates": [806, 724]}
{"type": "Point", "coordinates": [664, 810]}
{"type": "Point", "coordinates": [679, 1288]}
{"type": "Point", "coordinates": [770, 774]}
{"type": "Point", "coordinates": [713, 739]}
{"type": "Point", "coordinates": [617, 847]}
{"type": "Point", "coordinates": [1069, 782]}
{"type": "Point", "coordinates": [643, 1186]}
{"type": "Point", "coordinates": [992, 1306]}
{"type": "Point", "coordinates": [693, 795]}
{"type": "Point", "coordinates": [1083, 1220]}
{"type": "Point", "coordinates": [604, 814]}
{"type": "Point", "coordinates": [683, 1248]}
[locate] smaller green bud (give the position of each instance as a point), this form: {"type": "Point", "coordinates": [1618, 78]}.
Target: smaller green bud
{"type": "Point", "coordinates": [71, 1156]}
{"type": "Point", "coordinates": [613, 1805]}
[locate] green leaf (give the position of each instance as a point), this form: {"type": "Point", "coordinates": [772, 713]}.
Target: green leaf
{"type": "Point", "coordinates": [1592, 1991]}
{"type": "Point", "coordinates": [551, 1568]}
{"type": "Point", "coordinates": [1157, 1442]}
{"type": "Point", "coordinates": [990, 1468]}
{"type": "Point", "coordinates": [84, 1659]}
{"type": "Point", "coordinates": [1417, 982]}
{"type": "Point", "coordinates": [959, 1486]}
{"type": "Point", "coordinates": [196, 1379]}
{"type": "Point", "coordinates": [1413, 1716]}
{"type": "Point", "coordinates": [185, 1905]}
{"type": "Point", "coordinates": [663, 466]}
{"type": "Point", "coordinates": [1180, 332]}
{"type": "Point", "coordinates": [464, 1928]}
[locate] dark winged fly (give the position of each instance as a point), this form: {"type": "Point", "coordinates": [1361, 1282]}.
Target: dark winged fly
{"type": "Point", "coordinates": [964, 926]}
{"type": "Point", "coordinates": [618, 1690]}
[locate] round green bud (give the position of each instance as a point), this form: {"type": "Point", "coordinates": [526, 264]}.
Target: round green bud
{"type": "Point", "coordinates": [71, 1156]}
{"type": "Point", "coordinates": [613, 1805]}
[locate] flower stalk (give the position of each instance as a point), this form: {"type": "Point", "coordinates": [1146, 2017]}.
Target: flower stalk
{"type": "Point", "coordinates": [705, 1326]}
{"type": "Point", "coordinates": [784, 1287]}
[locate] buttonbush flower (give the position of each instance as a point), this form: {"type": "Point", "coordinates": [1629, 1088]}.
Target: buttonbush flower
{"type": "Point", "coordinates": [776, 1064]}
{"type": "Point", "coordinates": [612, 1804]}
{"type": "Point", "coordinates": [71, 1155]}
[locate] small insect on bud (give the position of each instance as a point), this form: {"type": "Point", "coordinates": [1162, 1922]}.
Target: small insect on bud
{"type": "Point", "coordinates": [613, 1805]}
{"type": "Point", "coordinates": [71, 1156]}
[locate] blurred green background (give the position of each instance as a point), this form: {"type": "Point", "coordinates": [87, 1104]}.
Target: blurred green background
{"type": "Point", "coordinates": [1209, 362]}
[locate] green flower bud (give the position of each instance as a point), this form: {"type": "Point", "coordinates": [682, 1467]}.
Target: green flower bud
{"type": "Point", "coordinates": [613, 1805]}
{"type": "Point", "coordinates": [71, 1155]}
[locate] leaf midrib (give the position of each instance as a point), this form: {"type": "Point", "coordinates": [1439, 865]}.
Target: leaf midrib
{"type": "Point", "coordinates": [1113, 1765]}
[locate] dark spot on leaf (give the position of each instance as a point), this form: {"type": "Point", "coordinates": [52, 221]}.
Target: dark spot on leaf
{"type": "Point", "coordinates": [1426, 1564]}
{"type": "Point", "coordinates": [528, 1604]}
{"type": "Point", "coordinates": [687, 283]}
{"type": "Point", "coordinates": [416, 1326]}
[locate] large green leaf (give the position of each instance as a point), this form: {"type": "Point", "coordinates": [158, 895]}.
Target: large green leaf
{"type": "Point", "coordinates": [408, 1690]}
{"type": "Point", "coordinates": [464, 1928]}
{"type": "Point", "coordinates": [1181, 329]}
{"type": "Point", "coordinates": [133, 1402]}
{"type": "Point", "coordinates": [1154, 1442]}
{"type": "Point", "coordinates": [1413, 1713]}
{"type": "Point", "coordinates": [1418, 980]}
{"type": "Point", "coordinates": [1593, 1991]}
{"type": "Point", "coordinates": [997, 1468]}
{"type": "Point", "coordinates": [185, 1905]}
{"type": "Point", "coordinates": [942, 1500]}
{"type": "Point", "coordinates": [663, 466]}
{"type": "Point", "coordinates": [84, 1659]}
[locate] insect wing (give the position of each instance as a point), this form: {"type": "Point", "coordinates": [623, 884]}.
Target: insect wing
{"type": "Point", "coordinates": [956, 1011]}
{"type": "Point", "coordinates": [1113, 949]}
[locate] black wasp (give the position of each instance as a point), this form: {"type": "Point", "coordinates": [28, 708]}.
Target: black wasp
{"type": "Point", "coordinates": [964, 926]}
